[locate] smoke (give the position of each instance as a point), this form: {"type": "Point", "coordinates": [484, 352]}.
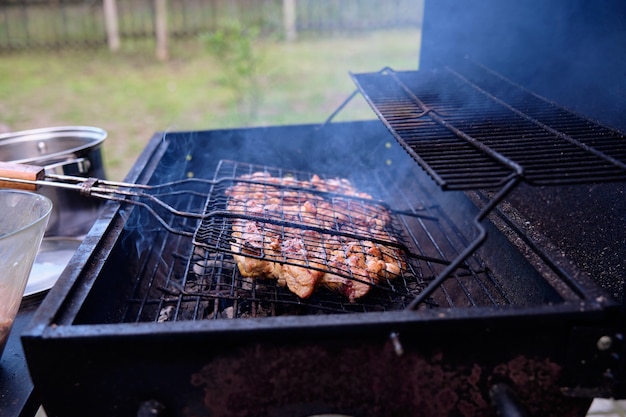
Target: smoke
{"type": "Point", "coordinates": [171, 157]}
{"type": "Point", "coordinates": [570, 51]}
{"type": "Point", "coordinates": [347, 150]}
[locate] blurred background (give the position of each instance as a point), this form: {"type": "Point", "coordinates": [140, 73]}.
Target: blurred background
{"type": "Point", "coordinates": [134, 67]}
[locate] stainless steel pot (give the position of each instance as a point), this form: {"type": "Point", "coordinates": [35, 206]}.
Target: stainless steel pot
{"type": "Point", "coordinates": [69, 150]}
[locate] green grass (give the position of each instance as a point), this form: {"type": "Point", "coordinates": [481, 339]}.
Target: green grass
{"type": "Point", "coordinates": [132, 95]}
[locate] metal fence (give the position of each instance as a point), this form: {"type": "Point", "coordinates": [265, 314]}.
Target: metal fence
{"type": "Point", "coordinates": [61, 24]}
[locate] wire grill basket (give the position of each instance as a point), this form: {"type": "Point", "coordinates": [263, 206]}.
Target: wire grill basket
{"type": "Point", "coordinates": [306, 232]}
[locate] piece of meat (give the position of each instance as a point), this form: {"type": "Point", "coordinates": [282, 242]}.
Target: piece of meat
{"type": "Point", "coordinates": [307, 234]}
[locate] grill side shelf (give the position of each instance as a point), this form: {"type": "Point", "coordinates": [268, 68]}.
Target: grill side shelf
{"type": "Point", "coordinates": [475, 133]}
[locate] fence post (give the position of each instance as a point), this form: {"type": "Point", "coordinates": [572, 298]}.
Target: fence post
{"type": "Point", "coordinates": [289, 19]}
{"type": "Point", "coordinates": [161, 29]}
{"type": "Point", "coordinates": [110, 24]}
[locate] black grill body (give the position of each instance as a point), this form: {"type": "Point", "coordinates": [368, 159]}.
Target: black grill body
{"type": "Point", "coordinates": [520, 313]}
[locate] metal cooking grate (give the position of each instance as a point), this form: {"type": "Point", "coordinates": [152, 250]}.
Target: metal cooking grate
{"type": "Point", "coordinates": [477, 130]}
{"type": "Point", "coordinates": [202, 281]}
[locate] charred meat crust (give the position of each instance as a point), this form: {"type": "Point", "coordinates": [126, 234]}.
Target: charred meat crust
{"type": "Point", "coordinates": [307, 234]}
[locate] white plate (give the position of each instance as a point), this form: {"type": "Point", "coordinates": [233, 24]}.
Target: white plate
{"type": "Point", "coordinates": [52, 258]}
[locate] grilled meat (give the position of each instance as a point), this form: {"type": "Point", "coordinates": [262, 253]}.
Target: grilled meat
{"type": "Point", "coordinates": [310, 233]}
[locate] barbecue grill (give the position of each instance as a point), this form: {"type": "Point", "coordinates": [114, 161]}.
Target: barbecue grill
{"type": "Point", "coordinates": [506, 212]}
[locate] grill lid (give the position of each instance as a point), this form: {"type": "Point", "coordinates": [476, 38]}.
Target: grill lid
{"type": "Point", "coordinates": [472, 129]}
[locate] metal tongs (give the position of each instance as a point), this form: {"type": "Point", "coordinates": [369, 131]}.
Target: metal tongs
{"type": "Point", "coordinates": [151, 197]}
{"type": "Point", "coordinates": [32, 177]}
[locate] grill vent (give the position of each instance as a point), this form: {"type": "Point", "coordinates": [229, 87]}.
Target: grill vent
{"type": "Point", "coordinates": [474, 129]}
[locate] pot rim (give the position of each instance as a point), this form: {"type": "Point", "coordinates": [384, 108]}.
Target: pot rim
{"type": "Point", "coordinates": [96, 134]}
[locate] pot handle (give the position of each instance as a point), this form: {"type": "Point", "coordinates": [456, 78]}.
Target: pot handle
{"type": "Point", "coordinates": [20, 176]}
{"type": "Point", "coordinates": [76, 166]}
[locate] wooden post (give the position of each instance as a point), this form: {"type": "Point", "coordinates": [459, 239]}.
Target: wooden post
{"type": "Point", "coordinates": [110, 24]}
{"type": "Point", "coordinates": [161, 29]}
{"type": "Point", "coordinates": [289, 19]}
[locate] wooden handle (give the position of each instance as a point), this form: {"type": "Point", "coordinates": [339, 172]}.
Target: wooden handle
{"type": "Point", "coordinates": [20, 172]}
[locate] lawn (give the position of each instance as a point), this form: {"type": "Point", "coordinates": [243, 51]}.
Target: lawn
{"type": "Point", "coordinates": [131, 94]}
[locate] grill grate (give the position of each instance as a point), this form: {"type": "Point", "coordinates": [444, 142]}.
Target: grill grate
{"type": "Point", "coordinates": [200, 279]}
{"type": "Point", "coordinates": [478, 130]}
